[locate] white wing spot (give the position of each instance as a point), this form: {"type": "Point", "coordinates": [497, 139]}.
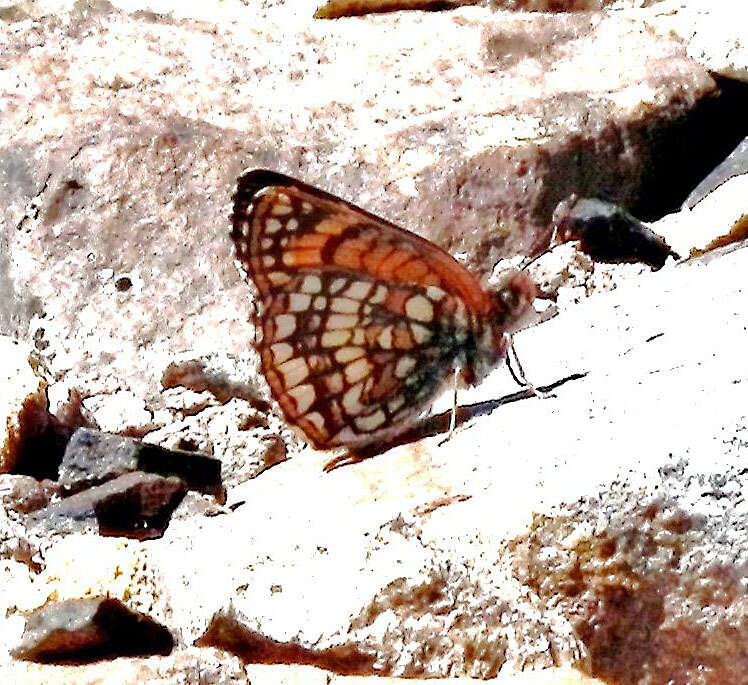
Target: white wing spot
{"type": "Point", "coordinates": [352, 400]}
{"type": "Point", "coordinates": [268, 261]}
{"type": "Point", "coordinates": [379, 296]}
{"type": "Point", "coordinates": [285, 325]}
{"type": "Point", "coordinates": [358, 290]}
{"type": "Point", "coordinates": [370, 422]}
{"type": "Point", "coordinates": [306, 207]}
{"type": "Point", "coordinates": [299, 302]}
{"type": "Point", "coordinates": [281, 352]}
{"type": "Point", "coordinates": [395, 403]}
{"type": "Point", "coordinates": [404, 366]}
{"type": "Point", "coordinates": [419, 308]}
{"type": "Point", "coordinates": [421, 334]}
{"type": "Point", "coordinates": [347, 354]}
{"type": "Point", "coordinates": [460, 315]}
{"type": "Point", "coordinates": [279, 277]}
{"type": "Point", "coordinates": [357, 370]}
{"type": "Point", "coordinates": [341, 321]}
{"type": "Point", "coordinates": [292, 224]}
{"type": "Point", "coordinates": [385, 338]}
{"type": "Point", "coordinates": [320, 302]}
{"type": "Point", "coordinates": [335, 382]}
{"type": "Point", "coordinates": [281, 210]}
{"type": "Point", "coordinates": [303, 395]}
{"type": "Point", "coordinates": [294, 371]}
{"type": "Point", "coordinates": [337, 285]}
{"type": "Point", "coordinates": [335, 338]}
{"type": "Point", "coordinates": [311, 284]}
{"type": "Point", "coordinates": [272, 226]}
{"type": "Point", "coordinates": [344, 305]}
{"type": "Point", "coordinates": [434, 293]}
{"type": "Point", "coordinates": [317, 419]}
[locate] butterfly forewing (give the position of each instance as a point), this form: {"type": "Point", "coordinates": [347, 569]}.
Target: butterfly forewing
{"type": "Point", "coordinates": [360, 320]}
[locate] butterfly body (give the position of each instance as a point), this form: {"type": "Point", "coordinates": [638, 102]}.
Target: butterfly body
{"type": "Point", "coordinates": [361, 321]}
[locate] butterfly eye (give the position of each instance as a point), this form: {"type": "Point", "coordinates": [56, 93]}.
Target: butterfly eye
{"type": "Point", "coordinates": [513, 300]}
{"type": "Point", "coordinates": [509, 298]}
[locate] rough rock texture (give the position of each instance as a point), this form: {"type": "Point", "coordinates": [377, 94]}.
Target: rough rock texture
{"type": "Point", "coordinates": [605, 525]}
{"type": "Point", "coordinates": [550, 5]}
{"type": "Point", "coordinates": [83, 630]}
{"type": "Point", "coordinates": [23, 402]}
{"type": "Point", "coordinates": [218, 668]}
{"type": "Point", "coordinates": [87, 566]}
{"type": "Point", "coordinates": [657, 594]}
{"type": "Point", "coordinates": [713, 32]}
{"type": "Point", "coordinates": [116, 236]}
{"type": "Point", "coordinates": [187, 665]}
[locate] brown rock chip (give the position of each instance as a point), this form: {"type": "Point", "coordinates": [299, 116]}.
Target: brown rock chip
{"type": "Point", "coordinates": [136, 505]}
{"type": "Point", "coordinates": [83, 630]}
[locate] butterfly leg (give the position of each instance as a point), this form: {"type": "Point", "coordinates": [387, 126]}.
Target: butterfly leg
{"type": "Point", "coordinates": [453, 414]}
{"type": "Point", "coordinates": [518, 373]}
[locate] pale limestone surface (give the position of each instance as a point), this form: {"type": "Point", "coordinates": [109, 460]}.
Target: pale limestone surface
{"type": "Point", "coordinates": [713, 32]}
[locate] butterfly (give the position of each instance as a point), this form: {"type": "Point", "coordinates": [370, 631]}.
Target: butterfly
{"type": "Point", "coordinates": [361, 323]}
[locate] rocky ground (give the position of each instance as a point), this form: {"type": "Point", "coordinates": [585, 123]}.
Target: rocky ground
{"type": "Point", "coordinates": [160, 522]}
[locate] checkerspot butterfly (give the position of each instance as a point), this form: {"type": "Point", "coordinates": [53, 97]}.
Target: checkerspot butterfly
{"type": "Point", "coordinates": [360, 322]}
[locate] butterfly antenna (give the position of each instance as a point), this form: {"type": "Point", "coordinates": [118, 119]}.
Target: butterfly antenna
{"type": "Point", "coordinates": [551, 246]}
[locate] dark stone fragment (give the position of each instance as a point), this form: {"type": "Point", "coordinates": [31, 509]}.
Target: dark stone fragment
{"type": "Point", "coordinates": [608, 233]}
{"type": "Point", "coordinates": [227, 633]}
{"type": "Point", "coordinates": [94, 457]}
{"type": "Point", "coordinates": [123, 284]}
{"type": "Point", "coordinates": [136, 505]}
{"type": "Point", "coordinates": [83, 630]}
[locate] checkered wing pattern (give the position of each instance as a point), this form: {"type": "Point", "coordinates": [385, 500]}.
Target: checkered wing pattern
{"type": "Point", "coordinates": [360, 320]}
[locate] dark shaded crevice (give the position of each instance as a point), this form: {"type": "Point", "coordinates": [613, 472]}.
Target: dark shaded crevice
{"type": "Point", "coordinates": [685, 151]}
{"type": "Point", "coordinates": [41, 454]}
{"type": "Point", "coordinates": [672, 155]}
{"type": "Point", "coordinates": [45, 438]}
